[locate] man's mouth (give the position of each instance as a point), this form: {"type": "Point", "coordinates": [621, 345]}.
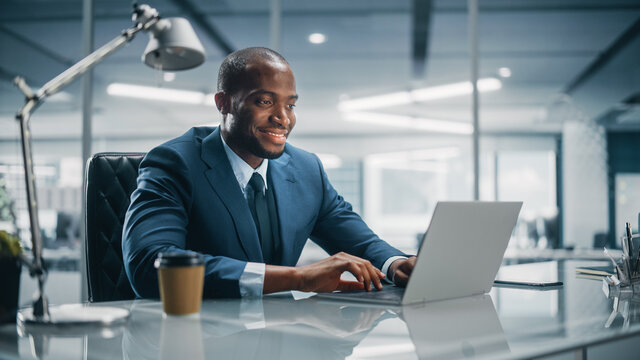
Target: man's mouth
{"type": "Point", "coordinates": [277, 136]}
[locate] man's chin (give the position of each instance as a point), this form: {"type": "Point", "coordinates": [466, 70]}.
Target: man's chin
{"type": "Point", "coordinates": [273, 155]}
{"type": "Point", "coordinates": [262, 152]}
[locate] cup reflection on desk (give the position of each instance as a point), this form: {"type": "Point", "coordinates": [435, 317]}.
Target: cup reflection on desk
{"type": "Point", "coordinates": [181, 279]}
{"type": "Point", "coordinates": [181, 338]}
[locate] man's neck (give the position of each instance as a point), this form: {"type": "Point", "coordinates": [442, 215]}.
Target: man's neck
{"type": "Point", "coordinates": [249, 158]}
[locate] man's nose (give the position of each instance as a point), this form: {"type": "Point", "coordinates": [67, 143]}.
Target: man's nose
{"type": "Point", "coordinates": [280, 116]}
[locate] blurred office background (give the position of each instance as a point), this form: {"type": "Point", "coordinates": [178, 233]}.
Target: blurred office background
{"type": "Point", "coordinates": [559, 109]}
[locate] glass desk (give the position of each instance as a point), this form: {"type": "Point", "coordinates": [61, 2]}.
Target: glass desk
{"type": "Point", "coordinates": [575, 321]}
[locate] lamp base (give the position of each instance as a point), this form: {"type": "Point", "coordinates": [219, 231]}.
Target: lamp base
{"type": "Point", "coordinates": [70, 321]}
{"type": "Point", "coordinates": [75, 315]}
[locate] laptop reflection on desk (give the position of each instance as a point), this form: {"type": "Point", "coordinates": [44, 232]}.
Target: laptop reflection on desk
{"type": "Point", "coordinates": [455, 329]}
{"type": "Point", "coordinates": [460, 255]}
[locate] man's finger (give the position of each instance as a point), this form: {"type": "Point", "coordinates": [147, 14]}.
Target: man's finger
{"type": "Point", "coordinates": [367, 277]}
{"type": "Point", "coordinates": [407, 266]}
{"type": "Point", "coordinates": [376, 276]}
{"type": "Point", "coordinates": [400, 278]}
{"type": "Point", "coordinates": [355, 270]}
{"type": "Point", "coordinates": [363, 270]}
{"type": "Point", "coordinates": [344, 285]}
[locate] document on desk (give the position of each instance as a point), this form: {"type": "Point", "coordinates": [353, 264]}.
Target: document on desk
{"type": "Point", "coordinates": [595, 272]}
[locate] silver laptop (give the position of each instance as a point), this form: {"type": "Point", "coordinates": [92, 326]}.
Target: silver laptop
{"type": "Point", "coordinates": [460, 255]}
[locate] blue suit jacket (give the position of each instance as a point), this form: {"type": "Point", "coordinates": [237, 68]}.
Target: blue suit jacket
{"type": "Point", "coordinates": [188, 199]}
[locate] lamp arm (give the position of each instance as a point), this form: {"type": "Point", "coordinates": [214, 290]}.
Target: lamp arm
{"type": "Point", "coordinates": [65, 78]}
{"type": "Point", "coordinates": [33, 100]}
{"type": "Point", "coordinates": [36, 267]}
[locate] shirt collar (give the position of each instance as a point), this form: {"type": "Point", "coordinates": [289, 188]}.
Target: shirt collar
{"type": "Point", "coordinates": [242, 170]}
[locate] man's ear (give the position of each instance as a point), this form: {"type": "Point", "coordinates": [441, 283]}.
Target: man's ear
{"type": "Point", "coordinates": [223, 102]}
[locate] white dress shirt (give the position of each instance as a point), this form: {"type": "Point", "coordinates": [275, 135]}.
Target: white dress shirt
{"type": "Point", "coordinates": [252, 278]}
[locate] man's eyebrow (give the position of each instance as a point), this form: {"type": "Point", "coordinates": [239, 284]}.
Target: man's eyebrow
{"type": "Point", "coordinates": [271, 93]}
{"type": "Point", "coordinates": [263, 92]}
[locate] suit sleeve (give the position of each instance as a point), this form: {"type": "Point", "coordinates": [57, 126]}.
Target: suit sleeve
{"type": "Point", "coordinates": [339, 228]}
{"type": "Point", "coordinates": [157, 221]}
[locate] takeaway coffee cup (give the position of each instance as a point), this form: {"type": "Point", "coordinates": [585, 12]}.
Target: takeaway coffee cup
{"type": "Point", "coordinates": [181, 279]}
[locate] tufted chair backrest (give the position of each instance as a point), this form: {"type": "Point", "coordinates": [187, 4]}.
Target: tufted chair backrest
{"type": "Point", "coordinates": [111, 178]}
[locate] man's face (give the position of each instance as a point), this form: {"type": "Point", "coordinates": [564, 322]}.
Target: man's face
{"type": "Point", "coordinates": [260, 115]}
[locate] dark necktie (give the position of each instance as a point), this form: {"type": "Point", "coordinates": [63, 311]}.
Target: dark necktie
{"type": "Point", "coordinates": [259, 206]}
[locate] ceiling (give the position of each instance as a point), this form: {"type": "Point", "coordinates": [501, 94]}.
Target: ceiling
{"type": "Point", "coordinates": [370, 50]}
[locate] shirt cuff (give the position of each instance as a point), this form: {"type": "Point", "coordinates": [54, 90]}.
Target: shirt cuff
{"type": "Point", "coordinates": [387, 264]}
{"type": "Point", "coordinates": [252, 280]}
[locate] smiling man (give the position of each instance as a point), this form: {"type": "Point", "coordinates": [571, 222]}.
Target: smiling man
{"type": "Point", "coordinates": [248, 201]}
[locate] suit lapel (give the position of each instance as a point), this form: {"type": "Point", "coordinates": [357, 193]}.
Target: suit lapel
{"type": "Point", "coordinates": [223, 181]}
{"type": "Point", "coordinates": [284, 181]}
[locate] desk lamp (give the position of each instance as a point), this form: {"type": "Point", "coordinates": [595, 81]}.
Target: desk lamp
{"type": "Point", "coordinates": [173, 45]}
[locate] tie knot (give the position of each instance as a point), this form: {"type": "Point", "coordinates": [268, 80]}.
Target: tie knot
{"type": "Point", "coordinates": [257, 183]}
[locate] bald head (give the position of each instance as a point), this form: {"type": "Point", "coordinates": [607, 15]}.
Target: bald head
{"type": "Point", "coordinates": [233, 70]}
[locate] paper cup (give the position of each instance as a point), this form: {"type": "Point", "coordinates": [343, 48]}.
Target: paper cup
{"type": "Point", "coordinates": [181, 279]}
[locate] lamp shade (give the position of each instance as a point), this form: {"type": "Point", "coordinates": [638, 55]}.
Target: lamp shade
{"type": "Point", "coordinates": [173, 45]}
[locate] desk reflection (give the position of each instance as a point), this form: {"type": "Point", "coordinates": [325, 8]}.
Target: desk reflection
{"type": "Point", "coordinates": [179, 337]}
{"type": "Point", "coordinates": [625, 306]}
{"type": "Point", "coordinates": [253, 329]}
{"type": "Point", "coordinates": [575, 317]}
{"type": "Point", "coordinates": [314, 329]}
{"type": "Point", "coordinates": [41, 336]}
{"type": "Point", "coordinates": [284, 328]}
{"type": "Point", "coordinates": [459, 328]}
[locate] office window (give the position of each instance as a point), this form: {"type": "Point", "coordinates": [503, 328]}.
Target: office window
{"type": "Point", "coordinates": [345, 176]}
{"type": "Point", "coordinates": [627, 203]}
{"type": "Point", "coordinates": [530, 177]}
{"type": "Point", "coordinates": [402, 189]}
{"type": "Point", "coordinates": [59, 193]}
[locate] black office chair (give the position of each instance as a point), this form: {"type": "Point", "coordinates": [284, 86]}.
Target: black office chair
{"type": "Point", "coordinates": [110, 180]}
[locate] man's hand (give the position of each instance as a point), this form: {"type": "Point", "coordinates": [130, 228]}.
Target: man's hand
{"type": "Point", "coordinates": [401, 270]}
{"type": "Point", "coordinates": [323, 276]}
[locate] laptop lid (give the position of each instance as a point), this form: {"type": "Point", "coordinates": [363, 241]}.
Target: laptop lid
{"type": "Point", "coordinates": [462, 250]}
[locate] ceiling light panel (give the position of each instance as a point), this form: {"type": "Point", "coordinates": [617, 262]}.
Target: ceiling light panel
{"type": "Point", "coordinates": [419, 95]}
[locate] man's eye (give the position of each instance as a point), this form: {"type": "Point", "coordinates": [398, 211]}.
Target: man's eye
{"type": "Point", "coordinates": [264, 102]}
{"type": "Point", "coordinates": [291, 106]}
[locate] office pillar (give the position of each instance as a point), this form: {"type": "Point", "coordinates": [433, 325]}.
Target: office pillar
{"type": "Point", "coordinates": [87, 112]}
{"type": "Point", "coordinates": [584, 174]}
{"type": "Point", "coordinates": [275, 24]}
{"type": "Point", "coordinates": [475, 112]}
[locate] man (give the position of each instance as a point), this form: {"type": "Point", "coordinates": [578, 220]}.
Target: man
{"type": "Point", "coordinates": [247, 201]}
